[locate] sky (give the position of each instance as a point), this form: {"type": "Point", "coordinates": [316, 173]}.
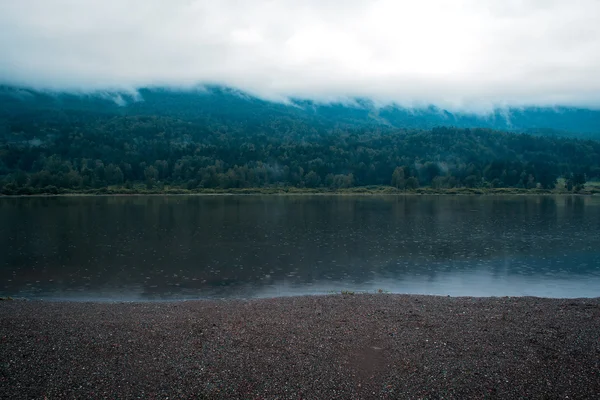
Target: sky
{"type": "Point", "coordinates": [451, 53]}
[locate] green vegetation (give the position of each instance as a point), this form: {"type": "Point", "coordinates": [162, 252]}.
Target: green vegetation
{"type": "Point", "coordinates": [71, 149]}
{"type": "Point", "coordinates": [590, 188]}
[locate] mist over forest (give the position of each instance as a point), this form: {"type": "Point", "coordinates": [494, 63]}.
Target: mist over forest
{"type": "Point", "coordinates": [220, 138]}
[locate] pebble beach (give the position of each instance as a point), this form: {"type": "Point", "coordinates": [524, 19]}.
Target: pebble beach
{"type": "Point", "coordinates": [362, 346]}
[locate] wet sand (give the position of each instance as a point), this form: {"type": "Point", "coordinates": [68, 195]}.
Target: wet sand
{"type": "Point", "coordinates": [321, 347]}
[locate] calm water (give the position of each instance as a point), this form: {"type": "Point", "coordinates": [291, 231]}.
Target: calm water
{"type": "Point", "coordinates": [155, 248]}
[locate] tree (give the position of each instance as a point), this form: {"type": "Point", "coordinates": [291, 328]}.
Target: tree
{"type": "Point", "coordinates": [162, 167]}
{"type": "Point", "coordinates": [439, 182]}
{"type": "Point", "coordinates": [113, 175]}
{"type": "Point", "coordinates": [21, 179]}
{"type": "Point", "coordinates": [575, 181]}
{"type": "Point", "coordinates": [312, 180]}
{"type": "Point", "coordinates": [339, 181]}
{"type": "Point", "coordinates": [151, 175]}
{"type": "Point", "coordinates": [429, 171]}
{"type": "Point", "coordinates": [398, 180]}
{"type": "Point", "coordinates": [579, 179]}
{"type": "Point", "coordinates": [412, 183]}
{"type": "Point", "coordinates": [99, 178]}
{"type": "Point", "coordinates": [531, 184]}
{"type": "Point", "coordinates": [471, 181]}
{"type": "Point", "coordinates": [569, 185]}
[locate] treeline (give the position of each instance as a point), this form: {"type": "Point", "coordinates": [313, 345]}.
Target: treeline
{"type": "Point", "coordinates": [78, 151]}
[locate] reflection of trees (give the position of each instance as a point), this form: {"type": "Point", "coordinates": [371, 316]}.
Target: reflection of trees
{"type": "Point", "coordinates": [187, 244]}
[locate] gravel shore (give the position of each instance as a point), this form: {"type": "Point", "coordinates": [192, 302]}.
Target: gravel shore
{"type": "Point", "coordinates": [319, 347]}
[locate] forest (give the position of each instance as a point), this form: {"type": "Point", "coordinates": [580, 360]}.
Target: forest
{"type": "Point", "coordinates": [50, 149]}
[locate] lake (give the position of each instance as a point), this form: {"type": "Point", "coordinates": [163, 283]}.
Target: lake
{"type": "Point", "coordinates": [189, 247]}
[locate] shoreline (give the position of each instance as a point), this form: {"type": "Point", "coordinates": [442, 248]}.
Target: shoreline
{"type": "Point", "coordinates": [291, 194]}
{"type": "Point", "coordinates": [343, 293]}
{"type": "Point", "coordinates": [328, 346]}
{"type": "Point", "coordinates": [593, 190]}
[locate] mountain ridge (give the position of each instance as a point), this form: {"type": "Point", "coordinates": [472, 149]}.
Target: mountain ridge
{"type": "Point", "coordinates": [225, 103]}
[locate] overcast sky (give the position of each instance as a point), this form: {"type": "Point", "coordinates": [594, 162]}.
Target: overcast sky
{"type": "Point", "coordinates": [452, 53]}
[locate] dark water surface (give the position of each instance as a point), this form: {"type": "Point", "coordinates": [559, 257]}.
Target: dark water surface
{"type": "Point", "coordinates": [180, 247]}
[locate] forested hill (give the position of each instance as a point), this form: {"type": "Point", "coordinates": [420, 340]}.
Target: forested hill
{"type": "Point", "coordinates": [231, 106]}
{"type": "Point", "coordinates": [220, 138]}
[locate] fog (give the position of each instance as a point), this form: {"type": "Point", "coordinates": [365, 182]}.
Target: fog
{"type": "Point", "coordinates": [461, 54]}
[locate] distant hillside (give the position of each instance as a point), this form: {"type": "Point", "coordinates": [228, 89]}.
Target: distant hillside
{"type": "Point", "coordinates": [233, 107]}
{"type": "Point", "coordinates": [222, 139]}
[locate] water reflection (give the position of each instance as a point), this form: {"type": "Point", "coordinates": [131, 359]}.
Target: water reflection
{"type": "Point", "coordinates": [152, 247]}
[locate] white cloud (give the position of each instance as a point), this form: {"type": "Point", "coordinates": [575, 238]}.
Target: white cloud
{"type": "Point", "coordinates": [453, 53]}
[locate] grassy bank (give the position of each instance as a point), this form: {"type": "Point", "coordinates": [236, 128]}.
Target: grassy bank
{"type": "Point", "coordinates": [590, 189]}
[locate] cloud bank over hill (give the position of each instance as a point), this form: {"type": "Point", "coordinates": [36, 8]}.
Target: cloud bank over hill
{"type": "Point", "coordinates": [454, 54]}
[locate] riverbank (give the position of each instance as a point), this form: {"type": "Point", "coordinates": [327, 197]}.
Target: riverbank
{"type": "Point", "coordinates": [366, 190]}
{"type": "Point", "coordinates": [337, 346]}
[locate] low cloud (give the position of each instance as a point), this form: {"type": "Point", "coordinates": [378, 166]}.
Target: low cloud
{"type": "Point", "coordinates": [454, 54]}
